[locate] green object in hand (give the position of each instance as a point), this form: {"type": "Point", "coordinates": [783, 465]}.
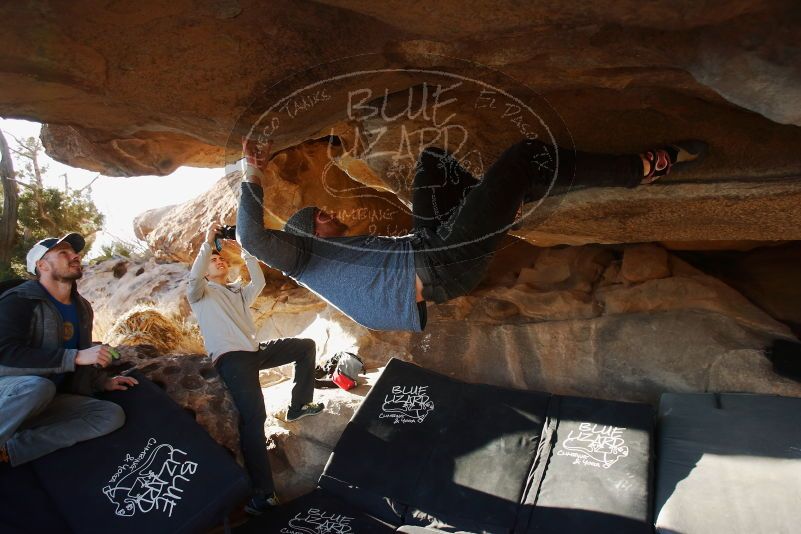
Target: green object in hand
{"type": "Point", "coordinates": [114, 354]}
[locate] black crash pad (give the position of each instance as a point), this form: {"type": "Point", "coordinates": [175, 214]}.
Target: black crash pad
{"type": "Point", "coordinates": [728, 463]}
{"type": "Point", "coordinates": [382, 453]}
{"type": "Point", "coordinates": [598, 475]}
{"type": "Point", "coordinates": [411, 529]}
{"type": "Point", "coordinates": [425, 446]}
{"type": "Point", "coordinates": [474, 478]}
{"type": "Point", "coordinates": [315, 513]}
{"type": "Point", "coordinates": [159, 473]}
{"type": "Point", "coordinates": [426, 450]}
{"type": "Point", "coordinates": [25, 506]}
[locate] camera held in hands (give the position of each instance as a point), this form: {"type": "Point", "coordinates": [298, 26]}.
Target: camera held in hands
{"type": "Point", "coordinates": [226, 232]}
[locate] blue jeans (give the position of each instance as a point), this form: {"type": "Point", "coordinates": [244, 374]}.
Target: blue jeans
{"type": "Point", "coordinates": [35, 420]}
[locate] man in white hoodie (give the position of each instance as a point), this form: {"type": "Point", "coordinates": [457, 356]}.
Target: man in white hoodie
{"type": "Point", "coordinates": [222, 311]}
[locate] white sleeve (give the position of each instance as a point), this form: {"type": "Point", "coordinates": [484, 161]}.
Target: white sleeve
{"type": "Point", "coordinates": [197, 276]}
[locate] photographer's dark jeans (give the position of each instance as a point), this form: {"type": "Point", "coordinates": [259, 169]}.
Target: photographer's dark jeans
{"type": "Point", "coordinates": [240, 372]}
{"type": "Point", "coordinates": [461, 221]}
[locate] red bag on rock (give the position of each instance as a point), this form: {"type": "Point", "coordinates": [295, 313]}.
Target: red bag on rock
{"type": "Point", "coordinates": [347, 370]}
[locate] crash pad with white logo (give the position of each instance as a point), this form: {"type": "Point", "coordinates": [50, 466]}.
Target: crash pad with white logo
{"type": "Point", "coordinates": [315, 513]}
{"type": "Point", "coordinates": [430, 451]}
{"type": "Point", "coordinates": [160, 472]}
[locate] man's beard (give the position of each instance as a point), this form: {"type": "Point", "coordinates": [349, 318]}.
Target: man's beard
{"type": "Point", "coordinates": [69, 276]}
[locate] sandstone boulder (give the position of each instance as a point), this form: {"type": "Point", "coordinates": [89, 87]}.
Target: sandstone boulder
{"type": "Point", "coordinates": [302, 448]}
{"type": "Point", "coordinates": [158, 285]}
{"type": "Point", "coordinates": [617, 339]}
{"type": "Point", "coordinates": [146, 222]}
{"type": "Point", "coordinates": [767, 276]}
{"type": "Point", "coordinates": [644, 262]}
{"type": "Point", "coordinates": [175, 233]}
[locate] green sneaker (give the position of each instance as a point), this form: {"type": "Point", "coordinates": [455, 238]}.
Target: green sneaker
{"type": "Point", "coordinates": [311, 408]}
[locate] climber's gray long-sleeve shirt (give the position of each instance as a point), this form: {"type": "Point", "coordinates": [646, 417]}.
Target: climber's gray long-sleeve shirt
{"type": "Point", "coordinates": [370, 279]}
{"type": "Point", "coordinates": [223, 312]}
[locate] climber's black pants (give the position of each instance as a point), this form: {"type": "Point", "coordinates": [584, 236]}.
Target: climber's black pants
{"type": "Point", "coordinates": [460, 221]}
{"type": "Point", "coordinates": [240, 372]}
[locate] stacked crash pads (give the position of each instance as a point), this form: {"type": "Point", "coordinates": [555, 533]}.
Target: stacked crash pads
{"type": "Point", "coordinates": [160, 473]}
{"type": "Point", "coordinates": [426, 452]}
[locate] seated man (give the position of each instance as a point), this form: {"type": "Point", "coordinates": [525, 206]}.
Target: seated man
{"type": "Point", "coordinates": [383, 282]}
{"type": "Point", "coordinates": [230, 338]}
{"type": "Point", "coordinates": [48, 366]}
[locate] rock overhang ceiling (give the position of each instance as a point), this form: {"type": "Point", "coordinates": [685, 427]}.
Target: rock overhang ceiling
{"type": "Point", "coordinates": [130, 89]}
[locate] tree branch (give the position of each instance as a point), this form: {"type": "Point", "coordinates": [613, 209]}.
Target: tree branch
{"type": "Point", "coordinates": [12, 136]}
{"type": "Point", "coordinates": [8, 224]}
{"type": "Point", "coordinates": [23, 184]}
{"type": "Point", "coordinates": [87, 186]}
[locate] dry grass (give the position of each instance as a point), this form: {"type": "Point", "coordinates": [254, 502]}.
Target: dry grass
{"type": "Point", "coordinates": [145, 325]}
